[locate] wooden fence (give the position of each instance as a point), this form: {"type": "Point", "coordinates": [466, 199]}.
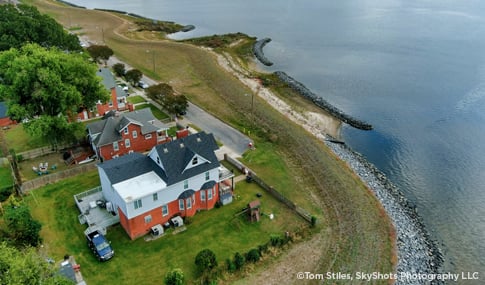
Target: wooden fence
{"type": "Point", "coordinates": [273, 192]}
{"type": "Point", "coordinates": [54, 177]}
{"type": "Point", "coordinates": [30, 154]}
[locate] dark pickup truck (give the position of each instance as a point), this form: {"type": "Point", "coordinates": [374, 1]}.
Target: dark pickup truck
{"type": "Point", "coordinates": [100, 246]}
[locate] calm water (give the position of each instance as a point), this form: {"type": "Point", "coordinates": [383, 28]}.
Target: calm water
{"type": "Point", "coordinates": [414, 69]}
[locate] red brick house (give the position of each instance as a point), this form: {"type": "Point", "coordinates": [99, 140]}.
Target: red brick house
{"type": "Point", "coordinates": [124, 133]}
{"type": "Point", "coordinates": [117, 100]}
{"type": "Point", "coordinates": [178, 178]}
{"type": "Point", "coordinates": [4, 118]}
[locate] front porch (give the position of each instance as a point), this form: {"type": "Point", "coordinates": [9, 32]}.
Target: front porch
{"type": "Point", "coordinates": [95, 211]}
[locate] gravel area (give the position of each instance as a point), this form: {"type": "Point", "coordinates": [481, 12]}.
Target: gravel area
{"type": "Point", "coordinates": [418, 255]}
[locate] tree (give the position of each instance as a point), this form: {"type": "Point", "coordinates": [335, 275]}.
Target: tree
{"type": "Point", "coordinates": [98, 52]}
{"type": "Point", "coordinates": [175, 104]}
{"type": "Point", "coordinates": [133, 76]}
{"type": "Point", "coordinates": [205, 260]}
{"type": "Point", "coordinates": [119, 69]}
{"type": "Point", "coordinates": [175, 277]}
{"type": "Point", "coordinates": [23, 24]}
{"type": "Point", "coordinates": [156, 92]}
{"type": "Point", "coordinates": [44, 85]}
{"type": "Point", "coordinates": [21, 227]}
{"type": "Point", "coordinates": [27, 267]}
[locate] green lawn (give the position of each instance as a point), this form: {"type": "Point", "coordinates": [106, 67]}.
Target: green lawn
{"type": "Point", "coordinates": [136, 99]}
{"type": "Point", "coordinates": [145, 262]}
{"type": "Point", "coordinates": [5, 177]}
{"type": "Point", "coordinates": [156, 112]}
{"type": "Point", "coordinates": [53, 159]}
{"type": "Point", "coordinates": [20, 141]}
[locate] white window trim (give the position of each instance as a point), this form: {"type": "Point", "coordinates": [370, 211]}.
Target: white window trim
{"type": "Point", "coordinates": [202, 195]}
{"type": "Point", "coordinates": [209, 194]}
{"type": "Point", "coordinates": [116, 147]}
{"type": "Point", "coordinates": [125, 130]}
{"type": "Point", "coordinates": [148, 136]}
{"type": "Point", "coordinates": [134, 134]}
{"type": "Point", "coordinates": [189, 203]}
{"type": "Point", "coordinates": [127, 143]}
{"type": "Point", "coordinates": [138, 204]}
{"type": "Point", "coordinates": [166, 208]}
{"type": "Point", "coordinates": [181, 205]}
{"type": "Point", "coordinates": [149, 218]}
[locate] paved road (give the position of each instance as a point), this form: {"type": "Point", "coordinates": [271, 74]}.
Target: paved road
{"type": "Point", "coordinates": [232, 139]}
{"type": "Point", "coordinates": [234, 142]}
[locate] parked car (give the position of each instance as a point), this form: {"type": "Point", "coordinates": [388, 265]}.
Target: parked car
{"type": "Point", "coordinates": [142, 84]}
{"type": "Point", "coordinates": [100, 246]}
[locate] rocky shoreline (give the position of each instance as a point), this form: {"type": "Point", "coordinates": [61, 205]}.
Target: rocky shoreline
{"type": "Point", "coordinates": [417, 252]}
{"type": "Point", "coordinates": [258, 51]}
{"type": "Point", "coordinates": [320, 102]}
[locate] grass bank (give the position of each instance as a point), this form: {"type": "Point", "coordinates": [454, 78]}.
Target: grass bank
{"type": "Point", "coordinates": [358, 234]}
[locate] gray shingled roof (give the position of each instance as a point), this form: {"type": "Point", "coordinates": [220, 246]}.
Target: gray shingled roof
{"type": "Point", "coordinates": [175, 157]}
{"type": "Point", "coordinates": [107, 77]}
{"type": "Point", "coordinates": [3, 110]}
{"type": "Point", "coordinates": [135, 164]}
{"type": "Point", "coordinates": [108, 130]}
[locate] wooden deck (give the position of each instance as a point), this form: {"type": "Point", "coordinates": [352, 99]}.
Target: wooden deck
{"type": "Point", "coordinates": [92, 211]}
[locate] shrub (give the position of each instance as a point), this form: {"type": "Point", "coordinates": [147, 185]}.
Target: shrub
{"type": "Point", "coordinates": [231, 267]}
{"type": "Point", "coordinates": [238, 260]}
{"type": "Point", "coordinates": [263, 248]}
{"type": "Point", "coordinates": [253, 255]}
{"type": "Point", "coordinates": [276, 240]}
{"type": "Point", "coordinates": [205, 260]}
{"type": "Point", "coordinates": [175, 277]}
{"type": "Point", "coordinates": [313, 221]}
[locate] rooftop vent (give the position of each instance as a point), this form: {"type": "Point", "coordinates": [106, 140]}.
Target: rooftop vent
{"type": "Point", "coordinates": [165, 150]}
{"type": "Point", "coordinates": [182, 145]}
{"type": "Point", "coordinates": [198, 139]}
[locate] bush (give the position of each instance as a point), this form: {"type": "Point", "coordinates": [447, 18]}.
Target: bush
{"type": "Point", "coordinates": [5, 192]}
{"type": "Point", "coordinates": [238, 260]}
{"type": "Point", "coordinates": [231, 267]}
{"type": "Point", "coordinates": [313, 221]}
{"type": "Point", "coordinates": [263, 248]}
{"type": "Point", "coordinates": [253, 255]}
{"type": "Point", "coordinates": [205, 260]}
{"type": "Point", "coordinates": [175, 277]}
{"type": "Point", "coordinates": [276, 240]}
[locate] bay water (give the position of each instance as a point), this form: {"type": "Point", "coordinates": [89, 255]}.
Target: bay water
{"type": "Point", "coordinates": [413, 69]}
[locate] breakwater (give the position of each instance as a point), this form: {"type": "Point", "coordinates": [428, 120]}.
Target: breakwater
{"type": "Point", "coordinates": [417, 252]}
{"type": "Point", "coordinates": [322, 103]}
{"type": "Point", "coordinates": [258, 51]}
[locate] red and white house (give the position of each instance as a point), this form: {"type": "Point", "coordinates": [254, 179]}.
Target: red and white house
{"type": "Point", "coordinates": [123, 133]}
{"type": "Point", "coordinates": [178, 178]}
{"type": "Point", "coordinates": [117, 98]}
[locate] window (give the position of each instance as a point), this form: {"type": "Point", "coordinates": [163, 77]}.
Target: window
{"type": "Point", "coordinates": [149, 136]}
{"type": "Point", "coordinates": [134, 134]}
{"type": "Point", "coordinates": [181, 204]}
{"type": "Point", "coordinates": [202, 195]}
{"type": "Point", "coordinates": [155, 196]}
{"type": "Point", "coordinates": [125, 130]}
{"type": "Point", "coordinates": [194, 160]}
{"type": "Point", "coordinates": [110, 103]}
{"type": "Point", "coordinates": [207, 176]}
{"type": "Point", "coordinates": [209, 194]}
{"type": "Point", "coordinates": [158, 160]}
{"type": "Point", "coordinates": [148, 219]}
{"type": "Point", "coordinates": [115, 146]}
{"type": "Point", "coordinates": [138, 204]}
{"type": "Point", "coordinates": [164, 210]}
{"type": "Point", "coordinates": [127, 143]}
{"type": "Point", "coordinates": [186, 184]}
{"type": "Point", "coordinates": [189, 203]}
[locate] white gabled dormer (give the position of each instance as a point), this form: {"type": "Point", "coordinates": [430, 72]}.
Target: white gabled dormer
{"type": "Point", "coordinates": [196, 160]}
{"type": "Point", "coordinates": [153, 154]}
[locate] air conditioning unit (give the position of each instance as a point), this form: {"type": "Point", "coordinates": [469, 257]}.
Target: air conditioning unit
{"type": "Point", "coordinates": [157, 230]}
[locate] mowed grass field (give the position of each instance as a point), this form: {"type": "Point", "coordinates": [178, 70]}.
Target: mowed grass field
{"type": "Point", "coordinates": [146, 262]}
{"type": "Point", "coordinates": [355, 226]}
